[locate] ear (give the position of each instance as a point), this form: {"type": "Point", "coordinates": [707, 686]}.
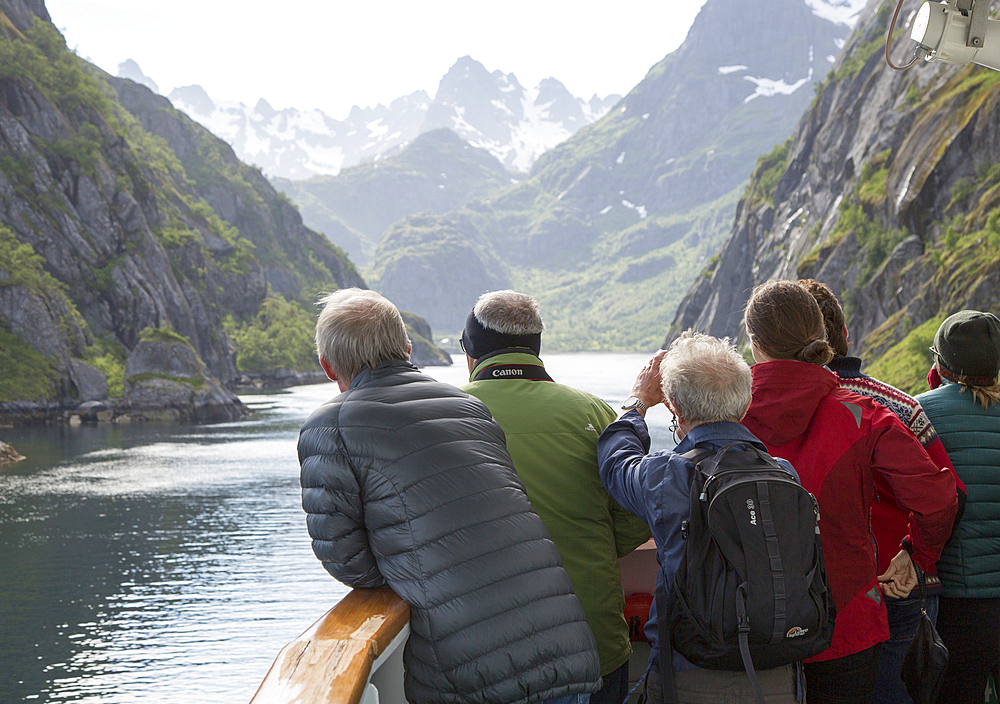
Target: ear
{"type": "Point", "coordinates": [328, 369]}
{"type": "Point", "coordinates": [673, 411]}
{"type": "Point", "coordinates": [330, 373]}
{"type": "Point", "coordinates": [409, 348]}
{"type": "Point", "coordinates": [846, 335]}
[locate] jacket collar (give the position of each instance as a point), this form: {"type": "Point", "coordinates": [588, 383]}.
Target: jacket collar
{"type": "Point", "coordinates": [367, 375]}
{"type": "Point", "coordinates": [786, 395]}
{"type": "Point", "coordinates": [516, 355]}
{"type": "Point", "coordinates": [846, 367]}
{"type": "Point", "coordinates": [720, 434]}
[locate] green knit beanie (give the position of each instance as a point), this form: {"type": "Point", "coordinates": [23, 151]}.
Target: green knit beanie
{"type": "Point", "coordinates": [968, 347]}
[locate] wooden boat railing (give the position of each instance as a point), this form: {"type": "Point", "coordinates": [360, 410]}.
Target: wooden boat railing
{"type": "Point", "coordinates": [352, 655]}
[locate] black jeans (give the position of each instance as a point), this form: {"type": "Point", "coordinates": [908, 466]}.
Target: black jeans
{"type": "Point", "coordinates": [971, 630]}
{"type": "Point", "coordinates": [846, 680]}
{"type": "Point", "coordinates": [614, 689]}
{"type": "Point", "coordinates": [904, 617]}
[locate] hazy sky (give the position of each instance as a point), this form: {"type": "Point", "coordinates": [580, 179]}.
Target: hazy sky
{"type": "Point", "coordinates": [332, 54]}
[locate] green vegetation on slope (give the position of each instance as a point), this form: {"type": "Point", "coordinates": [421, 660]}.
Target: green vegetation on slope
{"type": "Point", "coordinates": [279, 336]}
{"type": "Point", "coordinates": [905, 365]}
{"type": "Point", "coordinates": [21, 266]}
{"type": "Point", "coordinates": [57, 72]}
{"type": "Point", "coordinates": [164, 334]}
{"type": "Point", "coordinates": [765, 176]}
{"type": "Point", "coordinates": [25, 375]}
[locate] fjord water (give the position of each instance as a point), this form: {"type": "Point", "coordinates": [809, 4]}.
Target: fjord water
{"type": "Point", "coordinates": [155, 563]}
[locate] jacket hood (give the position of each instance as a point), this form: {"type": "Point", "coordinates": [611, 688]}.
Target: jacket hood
{"type": "Point", "coordinates": [786, 395]}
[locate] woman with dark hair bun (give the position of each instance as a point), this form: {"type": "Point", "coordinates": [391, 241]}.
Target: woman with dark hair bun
{"type": "Point", "coordinates": [837, 441]}
{"type": "Point", "coordinates": [966, 414]}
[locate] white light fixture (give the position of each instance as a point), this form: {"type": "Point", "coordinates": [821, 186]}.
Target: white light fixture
{"type": "Point", "coordinates": [953, 32]}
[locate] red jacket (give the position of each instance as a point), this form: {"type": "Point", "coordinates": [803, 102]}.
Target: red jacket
{"type": "Point", "coordinates": [838, 441]}
{"type": "Point", "coordinates": [890, 523]}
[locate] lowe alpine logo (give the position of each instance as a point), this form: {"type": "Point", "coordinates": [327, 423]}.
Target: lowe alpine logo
{"type": "Point", "coordinates": [796, 632]}
{"type": "Point", "coordinates": [508, 372]}
{"type": "Point", "coordinates": [753, 512]}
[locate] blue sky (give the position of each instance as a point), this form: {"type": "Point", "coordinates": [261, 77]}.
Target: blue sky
{"type": "Point", "coordinates": [333, 54]}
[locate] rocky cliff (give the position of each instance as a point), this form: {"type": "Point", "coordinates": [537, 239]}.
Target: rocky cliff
{"type": "Point", "coordinates": [119, 214]}
{"type": "Point", "coordinates": [888, 191]}
{"type": "Point", "coordinates": [612, 225]}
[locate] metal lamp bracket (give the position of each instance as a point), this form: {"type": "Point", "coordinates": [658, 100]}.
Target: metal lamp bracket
{"type": "Point", "coordinates": [977, 24]}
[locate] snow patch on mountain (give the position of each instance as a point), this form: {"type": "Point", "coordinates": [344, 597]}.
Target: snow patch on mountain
{"type": "Point", "coordinates": [767, 87]}
{"type": "Point", "coordinates": [844, 12]}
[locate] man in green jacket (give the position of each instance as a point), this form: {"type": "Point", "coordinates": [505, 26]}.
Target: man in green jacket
{"type": "Point", "coordinates": [552, 433]}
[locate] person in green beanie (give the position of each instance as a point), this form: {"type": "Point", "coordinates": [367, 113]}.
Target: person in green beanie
{"type": "Point", "coordinates": [552, 432]}
{"type": "Point", "coordinates": [963, 408]}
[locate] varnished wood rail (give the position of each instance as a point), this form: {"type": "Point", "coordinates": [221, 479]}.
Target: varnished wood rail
{"type": "Point", "coordinates": [331, 663]}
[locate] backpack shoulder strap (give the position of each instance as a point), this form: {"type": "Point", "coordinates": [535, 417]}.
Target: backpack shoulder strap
{"type": "Point", "coordinates": [699, 453]}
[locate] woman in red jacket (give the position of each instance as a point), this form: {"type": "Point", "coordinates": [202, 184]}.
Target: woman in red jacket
{"type": "Point", "coordinates": [838, 441]}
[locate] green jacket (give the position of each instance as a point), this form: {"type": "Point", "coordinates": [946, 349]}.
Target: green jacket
{"type": "Point", "coordinates": [552, 433]}
{"type": "Point", "coordinates": [970, 563]}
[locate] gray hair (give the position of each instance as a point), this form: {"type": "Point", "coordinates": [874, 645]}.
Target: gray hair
{"type": "Point", "coordinates": [358, 328]}
{"type": "Point", "coordinates": [706, 379]}
{"type": "Point", "coordinates": [509, 312]}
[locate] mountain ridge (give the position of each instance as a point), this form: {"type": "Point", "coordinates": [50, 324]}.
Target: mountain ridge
{"type": "Point", "coordinates": [612, 225]}
{"type": "Point", "coordinates": [492, 111]}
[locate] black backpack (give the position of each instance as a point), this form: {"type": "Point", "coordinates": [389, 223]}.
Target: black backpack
{"type": "Point", "coordinates": [751, 588]}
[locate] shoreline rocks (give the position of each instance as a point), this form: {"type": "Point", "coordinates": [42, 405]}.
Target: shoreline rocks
{"type": "Point", "coordinates": [8, 455]}
{"type": "Point", "coordinates": [166, 380]}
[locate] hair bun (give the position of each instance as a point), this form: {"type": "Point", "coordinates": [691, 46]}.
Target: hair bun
{"type": "Point", "coordinates": [816, 352]}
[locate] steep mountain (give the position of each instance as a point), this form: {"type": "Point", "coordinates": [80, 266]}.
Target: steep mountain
{"type": "Point", "coordinates": [119, 216]}
{"type": "Point", "coordinates": [888, 191]}
{"type": "Point", "coordinates": [609, 228]}
{"type": "Point", "coordinates": [492, 111]}
{"type": "Point", "coordinates": [436, 173]}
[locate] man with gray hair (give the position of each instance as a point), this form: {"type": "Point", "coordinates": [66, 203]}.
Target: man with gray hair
{"type": "Point", "coordinates": [705, 383]}
{"type": "Point", "coordinates": [407, 484]}
{"type": "Point", "coordinates": [552, 433]}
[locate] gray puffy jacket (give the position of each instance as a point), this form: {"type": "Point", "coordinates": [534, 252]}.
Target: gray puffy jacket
{"type": "Point", "coordinates": [407, 482]}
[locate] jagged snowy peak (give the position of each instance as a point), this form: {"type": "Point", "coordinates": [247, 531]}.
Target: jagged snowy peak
{"type": "Point", "coordinates": [297, 144]}
{"type": "Point", "coordinates": [843, 12]}
{"type": "Point", "coordinates": [494, 112]}
{"type": "Point", "coordinates": [130, 69]}
{"type": "Point", "coordinates": [490, 110]}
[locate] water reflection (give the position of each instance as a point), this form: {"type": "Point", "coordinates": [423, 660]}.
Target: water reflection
{"type": "Point", "coordinates": [147, 563]}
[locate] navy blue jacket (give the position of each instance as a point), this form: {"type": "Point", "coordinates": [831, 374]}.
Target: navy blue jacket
{"type": "Point", "coordinates": [656, 488]}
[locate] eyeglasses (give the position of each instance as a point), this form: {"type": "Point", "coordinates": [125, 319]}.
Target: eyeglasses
{"type": "Point", "coordinates": [934, 351]}
{"type": "Point", "coordinates": [461, 342]}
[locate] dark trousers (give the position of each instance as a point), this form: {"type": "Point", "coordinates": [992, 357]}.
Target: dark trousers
{"type": "Point", "coordinates": [971, 630]}
{"type": "Point", "coordinates": [846, 680]}
{"type": "Point", "coordinates": [724, 687]}
{"type": "Point", "coordinates": [614, 689]}
{"type": "Point", "coordinates": [904, 617]}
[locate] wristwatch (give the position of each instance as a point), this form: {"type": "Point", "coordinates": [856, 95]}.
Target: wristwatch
{"type": "Point", "coordinates": [633, 402]}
